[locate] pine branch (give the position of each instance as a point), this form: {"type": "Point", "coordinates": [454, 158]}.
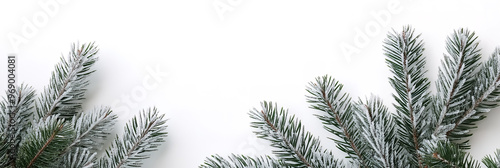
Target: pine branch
{"type": "Point", "coordinates": [80, 158]}
{"type": "Point", "coordinates": [57, 134]}
{"type": "Point", "coordinates": [326, 95]}
{"type": "Point", "coordinates": [241, 161]}
{"type": "Point", "coordinates": [18, 108]}
{"type": "Point", "coordinates": [492, 161]}
{"type": "Point", "coordinates": [456, 80]}
{"type": "Point", "coordinates": [44, 142]}
{"type": "Point", "coordinates": [91, 129]}
{"type": "Point", "coordinates": [426, 131]}
{"type": "Point", "coordinates": [379, 131]}
{"type": "Point", "coordinates": [447, 155]}
{"type": "Point", "coordinates": [295, 146]}
{"type": "Point", "coordinates": [142, 134]}
{"type": "Point", "coordinates": [485, 96]}
{"type": "Point", "coordinates": [66, 90]}
{"type": "Point", "coordinates": [3, 144]}
{"type": "Point", "coordinates": [404, 57]}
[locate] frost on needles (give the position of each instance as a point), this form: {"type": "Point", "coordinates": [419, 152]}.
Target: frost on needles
{"type": "Point", "coordinates": [52, 130]}
{"type": "Point", "coordinates": [426, 130]}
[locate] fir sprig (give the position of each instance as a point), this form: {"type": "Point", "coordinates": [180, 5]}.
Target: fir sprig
{"type": "Point", "coordinates": [492, 161]}
{"type": "Point", "coordinates": [426, 130]}
{"type": "Point", "coordinates": [142, 134]}
{"type": "Point", "coordinates": [241, 161]}
{"type": "Point", "coordinates": [378, 130]}
{"type": "Point", "coordinates": [66, 91]}
{"type": "Point", "coordinates": [455, 82]}
{"type": "Point", "coordinates": [294, 147]}
{"type": "Point", "coordinates": [92, 128]}
{"type": "Point", "coordinates": [79, 158]}
{"type": "Point", "coordinates": [17, 106]}
{"type": "Point", "coordinates": [3, 144]}
{"type": "Point", "coordinates": [44, 142]}
{"type": "Point", "coordinates": [485, 96]}
{"type": "Point", "coordinates": [448, 155]}
{"type": "Point", "coordinates": [326, 95]}
{"type": "Point", "coordinates": [404, 57]}
{"type": "Point", "coordinates": [59, 133]}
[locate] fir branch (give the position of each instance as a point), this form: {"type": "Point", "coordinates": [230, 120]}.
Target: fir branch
{"type": "Point", "coordinates": [267, 121]}
{"type": "Point", "coordinates": [404, 57]}
{"type": "Point", "coordinates": [66, 90]}
{"type": "Point", "coordinates": [18, 108]}
{"type": "Point", "coordinates": [448, 155]}
{"type": "Point", "coordinates": [91, 129]}
{"type": "Point", "coordinates": [326, 95]}
{"type": "Point", "coordinates": [57, 134]}
{"type": "Point", "coordinates": [492, 161]}
{"type": "Point", "coordinates": [142, 134]}
{"type": "Point", "coordinates": [44, 142]}
{"type": "Point", "coordinates": [295, 146]}
{"type": "Point", "coordinates": [379, 131]}
{"type": "Point", "coordinates": [80, 158]}
{"type": "Point", "coordinates": [426, 131]}
{"type": "Point", "coordinates": [3, 144]}
{"type": "Point", "coordinates": [485, 96]}
{"type": "Point", "coordinates": [456, 79]}
{"type": "Point", "coordinates": [241, 161]}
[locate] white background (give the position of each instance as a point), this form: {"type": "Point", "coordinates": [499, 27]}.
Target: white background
{"type": "Point", "coordinates": [221, 65]}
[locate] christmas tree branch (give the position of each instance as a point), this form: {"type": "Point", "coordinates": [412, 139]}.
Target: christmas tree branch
{"type": "Point", "coordinates": [142, 134]}
{"type": "Point", "coordinates": [66, 90]}
{"type": "Point", "coordinates": [492, 161]}
{"type": "Point", "coordinates": [447, 155]}
{"type": "Point", "coordinates": [378, 130]}
{"type": "Point", "coordinates": [18, 108]}
{"type": "Point", "coordinates": [44, 142]}
{"type": "Point", "coordinates": [326, 95]}
{"type": "Point", "coordinates": [279, 139]}
{"type": "Point", "coordinates": [4, 159]}
{"type": "Point", "coordinates": [404, 57]}
{"type": "Point", "coordinates": [426, 131]}
{"type": "Point", "coordinates": [456, 78]}
{"type": "Point", "coordinates": [485, 96]}
{"type": "Point", "coordinates": [80, 158]}
{"type": "Point", "coordinates": [55, 133]}
{"type": "Point", "coordinates": [241, 161]}
{"type": "Point", "coordinates": [91, 129]}
{"type": "Point", "coordinates": [295, 146]}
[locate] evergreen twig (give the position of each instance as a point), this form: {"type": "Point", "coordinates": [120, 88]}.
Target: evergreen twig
{"type": "Point", "coordinates": [142, 134]}
{"type": "Point", "coordinates": [425, 130]}
{"type": "Point", "coordinates": [59, 133]}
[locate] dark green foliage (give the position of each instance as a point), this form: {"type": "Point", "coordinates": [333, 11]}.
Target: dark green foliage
{"type": "Point", "coordinates": [492, 161]}
{"type": "Point", "coordinates": [47, 139]}
{"type": "Point", "coordinates": [294, 147]}
{"type": "Point", "coordinates": [450, 156]}
{"type": "Point", "coordinates": [326, 95]}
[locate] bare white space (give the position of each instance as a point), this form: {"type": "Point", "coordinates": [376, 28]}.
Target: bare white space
{"type": "Point", "coordinates": [213, 64]}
